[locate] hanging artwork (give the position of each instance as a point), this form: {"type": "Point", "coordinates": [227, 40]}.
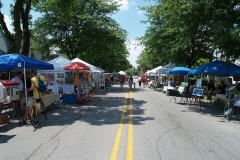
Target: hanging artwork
{"type": "Point", "coordinates": [60, 81]}
{"type": "Point", "coordinates": [51, 77]}
{"type": "Point", "coordinates": [60, 75]}
{"type": "Point", "coordinates": [69, 74]}
{"type": "Point", "coordinates": [69, 80]}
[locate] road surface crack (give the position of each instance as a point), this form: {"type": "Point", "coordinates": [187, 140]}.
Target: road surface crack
{"type": "Point", "coordinates": [169, 130]}
{"type": "Point", "coordinates": [53, 149]}
{"type": "Point", "coordinates": [221, 146]}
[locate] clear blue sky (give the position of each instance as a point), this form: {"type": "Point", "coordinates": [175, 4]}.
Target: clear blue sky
{"type": "Point", "coordinates": [129, 17]}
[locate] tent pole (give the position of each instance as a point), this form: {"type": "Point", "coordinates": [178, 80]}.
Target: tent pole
{"type": "Point", "coordinates": [25, 84]}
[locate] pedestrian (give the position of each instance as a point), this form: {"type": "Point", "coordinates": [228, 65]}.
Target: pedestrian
{"type": "Point", "coordinates": [130, 82]}
{"type": "Point", "coordinates": [144, 81]}
{"type": "Point", "coordinates": [3, 96]}
{"type": "Point", "coordinates": [122, 81]}
{"type": "Point", "coordinates": [112, 79]}
{"type": "Point", "coordinates": [33, 93]}
{"type": "Point", "coordinates": [139, 81]}
{"type": "Point", "coordinates": [18, 78]}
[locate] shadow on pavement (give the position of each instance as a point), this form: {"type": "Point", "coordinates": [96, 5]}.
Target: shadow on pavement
{"type": "Point", "coordinates": [94, 113]}
{"type": "Point", "coordinates": [5, 138]}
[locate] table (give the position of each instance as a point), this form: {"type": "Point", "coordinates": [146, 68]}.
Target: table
{"type": "Point", "coordinates": [47, 99]}
{"type": "Point", "coordinates": [166, 88]}
{"type": "Point", "coordinates": [222, 97]}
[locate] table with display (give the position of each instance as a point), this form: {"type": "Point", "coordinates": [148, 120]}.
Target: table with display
{"type": "Point", "coordinates": [48, 99]}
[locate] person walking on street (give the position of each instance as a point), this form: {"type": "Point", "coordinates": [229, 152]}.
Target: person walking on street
{"type": "Point", "coordinates": [130, 82]}
{"type": "Point", "coordinates": [139, 81]}
{"type": "Point", "coordinates": [122, 81]}
{"type": "Point", "coordinates": [112, 80]}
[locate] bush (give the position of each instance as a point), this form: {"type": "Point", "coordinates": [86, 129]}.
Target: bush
{"type": "Point", "coordinates": [204, 82]}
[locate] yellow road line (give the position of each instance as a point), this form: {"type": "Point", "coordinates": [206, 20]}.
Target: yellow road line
{"type": "Point", "coordinates": [130, 131]}
{"type": "Point", "coordinates": [119, 132]}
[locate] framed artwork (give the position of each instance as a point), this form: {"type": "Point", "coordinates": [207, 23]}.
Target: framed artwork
{"type": "Point", "coordinates": [60, 81]}
{"type": "Point", "coordinates": [60, 75]}
{"type": "Point", "coordinates": [51, 77]}
{"type": "Point", "coordinates": [69, 80]}
{"type": "Point", "coordinates": [69, 74]}
{"type": "Point", "coordinates": [44, 75]}
{"type": "Point", "coordinates": [199, 82]}
{"type": "Point", "coordinates": [198, 91]}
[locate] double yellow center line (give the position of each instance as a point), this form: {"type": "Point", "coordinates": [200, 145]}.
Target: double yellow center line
{"type": "Point", "coordinates": [129, 154]}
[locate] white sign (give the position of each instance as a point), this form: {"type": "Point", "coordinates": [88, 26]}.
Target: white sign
{"type": "Point", "coordinates": [19, 64]}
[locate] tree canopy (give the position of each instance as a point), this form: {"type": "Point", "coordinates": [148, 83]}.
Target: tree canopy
{"type": "Point", "coordinates": [83, 29]}
{"type": "Point", "coordinates": [74, 28]}
{"type": "Point", "coordinates": [188, 31]}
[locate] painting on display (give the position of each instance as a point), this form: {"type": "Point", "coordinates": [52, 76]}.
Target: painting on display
{"type": "Point", "coordinates": [69, 80]}
{"type": "Point", "coordinates": [198, 92]}
{"type": "Point", "coordinates": [199, 82]}
{"type": "Point", "coordinates": [60, 81]}
{"type": "Point", "coordinates": [60, 75]}
{"type": "Point", "coordinates": [69, 74]}
{"type": "Point", "coordinates": [51, 77]}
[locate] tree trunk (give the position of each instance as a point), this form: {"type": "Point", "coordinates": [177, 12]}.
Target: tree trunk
{"type": "Point", "coordinates": [26, 31]}
{"type": "Point", "coordinates": [17, 24]}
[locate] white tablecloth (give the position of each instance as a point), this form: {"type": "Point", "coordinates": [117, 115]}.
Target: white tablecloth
{"type": "Point", "coordinates": [47, 99]}
{"type": "Point", "coordinates": [221, 96]}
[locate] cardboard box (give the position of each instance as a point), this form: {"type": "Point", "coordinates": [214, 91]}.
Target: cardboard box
{"type": "Point", "coordinates": [3, 119]}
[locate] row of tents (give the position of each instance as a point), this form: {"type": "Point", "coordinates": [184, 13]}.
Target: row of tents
{"type": "Point", "coordinates": [16, 62]}
{"type": "Point", "coordinates": [213, 68]}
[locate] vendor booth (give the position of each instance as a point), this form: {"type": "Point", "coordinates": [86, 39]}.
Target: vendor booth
{"type": "Point", "coordinates": [220, 68]}
{"type": "Point", "coordinates": [16, 62]}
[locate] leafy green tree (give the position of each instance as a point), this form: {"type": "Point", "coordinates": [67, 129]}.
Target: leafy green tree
{"type": "Point", "coordinates": [85, 30]}
{"type": "Point", "coordinates": [186, 31]}
{"type": "Point", "coordinates": [19, 40]}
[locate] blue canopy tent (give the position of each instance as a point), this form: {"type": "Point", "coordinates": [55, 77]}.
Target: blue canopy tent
{"type": "Point", "coordinates": [15, 61]}
{"type": "Point", "coordinates": [179, 70]}
{"type": "Point", "coordinates": [216, 68]}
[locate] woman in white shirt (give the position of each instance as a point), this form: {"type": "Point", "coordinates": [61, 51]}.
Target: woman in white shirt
{"type": "Point", "coordinates": [3, 96]}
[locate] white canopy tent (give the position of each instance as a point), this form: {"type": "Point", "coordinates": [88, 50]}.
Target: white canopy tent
{"type": "Point", "coordinates": [92, 68]}
{"type": "Point", "coordinates": [122, 73]}
{"type": "Point", "coordinates": [153, 71]}
{"type": "Point", "coordinates": [59, 63]}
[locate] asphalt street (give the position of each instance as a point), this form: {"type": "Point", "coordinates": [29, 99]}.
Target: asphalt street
{"type": "Point", "coordinates": [119, 124]}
